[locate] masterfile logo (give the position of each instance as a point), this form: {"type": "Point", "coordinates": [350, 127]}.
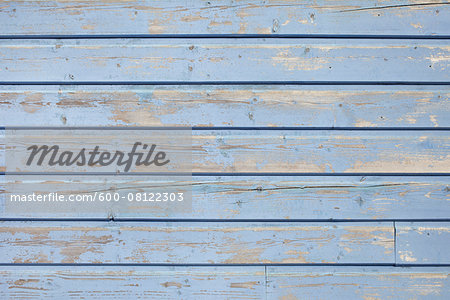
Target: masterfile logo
{"type": "Point", "coordinates": [52, 156]}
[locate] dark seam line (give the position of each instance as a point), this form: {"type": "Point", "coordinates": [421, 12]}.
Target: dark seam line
{"type": "Point", "coordinates": [100, 128]}
{"type": "Point", "coordinates": [395, 240]}
{"type": "Point", "coordinates": [326, 128]}
{"type": "Point", "coordinates": [266, 283]}
{"type": "Point", "coordinates": [219, 265]}
{"type": "Point", "coordinates": [226, 36]}
{"type": "Point", "coordinates": [193, 264]}
{"type": "Point", "coordinates": [188, 83]}
{"type": "Point", "coordinates": [171, 220]}
{"type": "Point", "coordinates": [218, 174]}
{"type": "Point", "coordinates": [289, 83]}
{"type": "Point", "coordinates": [422, 265]}
{"type": "Point", "coordinates": [197, 128]}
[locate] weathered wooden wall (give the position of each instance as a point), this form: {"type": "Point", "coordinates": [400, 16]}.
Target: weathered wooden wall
{"type": "Point", "coordinates": [320, 147]}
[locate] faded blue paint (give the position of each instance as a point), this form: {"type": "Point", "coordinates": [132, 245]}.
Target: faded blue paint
{"type": "Point", "coordinates": [249, 198]}
{"type": "Point", "coordinates": [259, 197]}
{"type": "Point", "coordinates": [358, 282]}
{"type": "Point", "coordinates": [228, 106]}
{"type": "Point", "coordinates": [197, 242]}
{"type": "Point", "coordinates": [401, 17]}
{"type": "Point", "coordinates": [423, 242]}
{"type": "Point", "coordinates": [254, 282]}
{"type": "Point", "coordinates": [163, 60]}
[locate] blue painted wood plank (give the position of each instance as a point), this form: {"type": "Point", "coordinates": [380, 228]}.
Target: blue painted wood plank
{"type": "Point", "coordinates": [188, 60]}
{"type": "Point", "coordinates": [300, 151]}
{"type": "Point", "coordinates": [196, 242]}
{"type": "Point", "coordinates": [357, 283]}
{"type": "Point", "coordinates": [423, 242]}
{"type": "Point", "coordinates": [227, 106]}
{"type": "Point", "coordinates": [125, 282]}
{"type": "Point", "coordinates": [243, 197]}
{"type": "Point", "coordinates": [426, 17]}
{"type": "Point", "coordinates": [321, 151]}
{"type": "Point", "coordinates": [121, 282]}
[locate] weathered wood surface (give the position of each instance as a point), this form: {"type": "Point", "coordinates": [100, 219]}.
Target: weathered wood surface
{"type": "Point", "coordinates": [246, 197]}
{"type": "Point", "coordinates": [422, 242]}
{"type": "Point", "coordinates": [425, 17]}
{"type": "Point", "coordinates": [198, 233]}
{"type": "Point", "coordinates": [121, 282]}
{"type": "Point", "coordinates": [309, 151]}
{"type": "Point", "coordinates": [357, 283]}
{"type": "Point", "coordinates": [206, 60]}
{"type": "Point", "coordinates": [190, 242]}
{"type": "Point", "coordinates": [229, 106]}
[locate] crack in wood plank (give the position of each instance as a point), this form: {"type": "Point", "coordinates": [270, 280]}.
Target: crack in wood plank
{"type": "Point", "coordinates": [395, 6]}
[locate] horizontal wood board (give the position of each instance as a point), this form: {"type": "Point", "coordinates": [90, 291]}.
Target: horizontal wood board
{"type": "Point", "coordinates": [357, 283]}
{"type": "Point", "coordinates": [226, 106]}
{"type": "Point", "coordinates": [307, 151]}
{"type": "Point", "coordinates": [246, 197]}
{"type": "Point", "coordinates": [122, 282]}
{"type": "Point", "coordinates": [253, 282]}
{"type": "Point", "coordinates": [363, 17]}
{"type": "Point", "coordinates": [422, 242]}
{"type": "Point", "coordinates": [191, 242]}
{"type": "Point", "coordinates": [218, 60]}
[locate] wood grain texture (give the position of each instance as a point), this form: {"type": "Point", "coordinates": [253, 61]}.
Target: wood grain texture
{"type": "Point", "coordinates": [31, 252]}
{"type": "Point", "coordinates": [119, 282]}
{"type": "Point", "coordinates": [207, 60]}
{"type": "Point", "coordinates": [245, 197]}
{"type": "Point", "coordinates": [425, 17]}
{"type": "Point", "coordinates": [229, 106]}
{"type": "Point", "coordinates": [357, 283]}
{"type": "Point", "coordinates": [310, 151]}
{"type": "Point", "coordinates": [422, 242]}
{"type": "Point", "coordinates": [190, 242]}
